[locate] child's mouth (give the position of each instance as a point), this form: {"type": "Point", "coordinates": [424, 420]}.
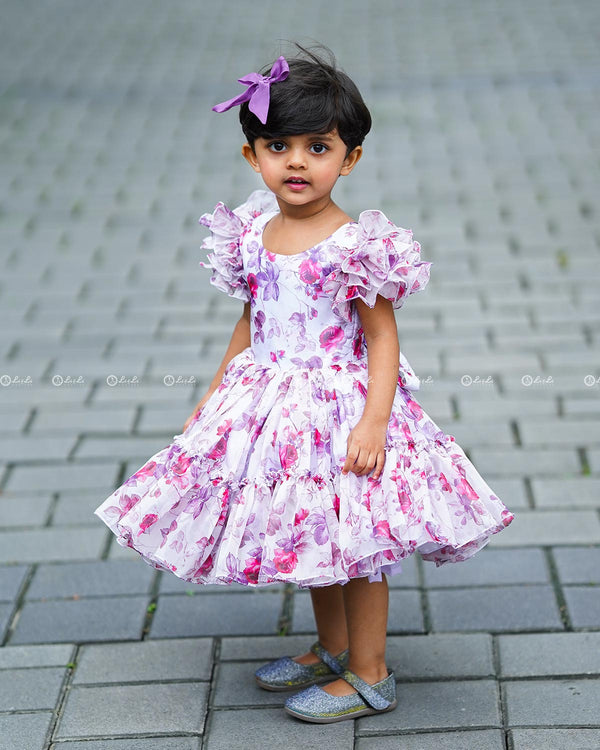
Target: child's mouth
{"type": "Point", "coordinates": [296, 183]}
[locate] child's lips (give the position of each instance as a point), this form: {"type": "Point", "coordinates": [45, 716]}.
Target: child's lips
{"type": "Point", "coordinates": [296, 183]}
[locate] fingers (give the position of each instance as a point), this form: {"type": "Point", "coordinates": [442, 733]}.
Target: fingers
{"type": "Point", "coordinates": [362, 461]}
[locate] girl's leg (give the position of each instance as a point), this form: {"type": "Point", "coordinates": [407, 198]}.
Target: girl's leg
{"type": "Point", "coordinates": [366, 608]}
{"type": "Point", "coordinates": [328, 607]}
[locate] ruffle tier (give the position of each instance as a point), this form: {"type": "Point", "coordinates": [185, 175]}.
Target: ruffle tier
{"type": "Point", "coordinates": [252, 492]}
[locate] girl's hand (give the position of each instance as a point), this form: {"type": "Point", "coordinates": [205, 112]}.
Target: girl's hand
{"type": "Point", "coordinates": [366, 448]}
{"type": "Point", "coordinates": [197, 408]}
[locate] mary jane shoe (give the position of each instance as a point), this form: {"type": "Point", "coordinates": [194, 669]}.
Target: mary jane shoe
{"type": "Point", "coordinates": [287, 674]}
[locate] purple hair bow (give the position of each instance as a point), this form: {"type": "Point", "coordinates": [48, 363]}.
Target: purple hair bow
{"type": "Point", "coordinates": [258, 92]}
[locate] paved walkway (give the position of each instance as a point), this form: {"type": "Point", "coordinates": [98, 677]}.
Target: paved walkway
{"type": "Point", "coordinates": [486, 144]}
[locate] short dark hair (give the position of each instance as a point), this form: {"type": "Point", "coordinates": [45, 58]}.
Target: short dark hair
{"type": "Point", "coordinates": [316, 97]}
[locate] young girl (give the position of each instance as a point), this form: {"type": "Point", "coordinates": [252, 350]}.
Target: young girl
{"type": "Point", "coordinates": [309, 460]}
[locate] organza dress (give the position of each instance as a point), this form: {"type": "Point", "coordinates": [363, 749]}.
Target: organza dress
{"type": "Point", "coordinates": [252, 492]}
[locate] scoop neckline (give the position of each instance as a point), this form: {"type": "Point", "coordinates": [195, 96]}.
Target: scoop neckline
{"type": "Point", "coordinates": [302, 252]}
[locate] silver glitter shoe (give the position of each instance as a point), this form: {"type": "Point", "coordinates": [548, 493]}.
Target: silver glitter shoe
{"type": "Point", "coordinates": [316, 705]}
{"type": "Point", "coordinates": [287, 674]}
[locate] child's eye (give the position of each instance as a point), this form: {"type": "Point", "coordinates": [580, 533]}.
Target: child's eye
{"type": "Point", "coordinates": [276, 146]}
{"type": "Point", "coordinates": [320, 148]}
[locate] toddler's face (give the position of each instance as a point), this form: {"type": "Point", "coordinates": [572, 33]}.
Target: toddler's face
{"type": "Point", "coordinates": [301, 169]}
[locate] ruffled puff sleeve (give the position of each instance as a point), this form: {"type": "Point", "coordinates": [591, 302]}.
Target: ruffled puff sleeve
{"type": "Point", "coordinates": [381, 258]}
{"type": "Point", "coordinates": [226, 228]}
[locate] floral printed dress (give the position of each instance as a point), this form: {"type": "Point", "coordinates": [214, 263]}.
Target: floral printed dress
{"type": "Point", "coordinates": [252, 492]}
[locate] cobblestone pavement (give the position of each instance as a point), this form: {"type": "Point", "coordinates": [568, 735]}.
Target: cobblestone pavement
{"type": "Point", "coordinates": [486, 142]}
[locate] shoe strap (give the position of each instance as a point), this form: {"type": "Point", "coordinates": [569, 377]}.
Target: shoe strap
{"type": "Point", "coordinates": [368, 692]}
{"type": "Point", "coordinates": [327, 658]}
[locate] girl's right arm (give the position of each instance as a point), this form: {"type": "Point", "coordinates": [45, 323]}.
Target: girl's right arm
{"type": "Point", "coordinates": [240, 340]}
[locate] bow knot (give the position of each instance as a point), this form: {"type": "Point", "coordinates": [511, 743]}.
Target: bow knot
{"type": "Point", "coordinates": [258, 93]}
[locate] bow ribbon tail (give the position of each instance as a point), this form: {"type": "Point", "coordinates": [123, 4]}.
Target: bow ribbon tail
{"type": "Point", "coordinates": [259, 101]}
{"type": "Point", "coordinates": [239, 99]}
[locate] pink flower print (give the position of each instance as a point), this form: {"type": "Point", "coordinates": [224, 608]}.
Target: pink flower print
{"type": "Point", "coordinates": [310, 271]}
{"type": "Point", "coordinates": [361, 388]}
{"type": "Point", "coordinates": [182, 464]}
{"type": "Point", "coordinates": [465, 489]}
{"type": "Point", "coordinates": [358, 343]}
{"type": "Point", "coordinates": [507, 517]}
{"type": "Point", "coordinates": [206, 566]}
{"type": "Point", "coordinates": [252, 569]}
{"type": "Point", "coordinates": [148, 520]}
{"type": "Point", "coordinates": [253, 284]}
{"type": "Point", "coordinates": [225, 427]}
{"type": "Point", "coordinates": [288, 455]}
{"type": "Point", "coordinates": [382, 529]}
{"type": "Point", "coordinates": [276, 355]}
{"type": "Point", "coordinates": [404, 501]}
{"type": "Point", "coordinates": [409, 438]}
{"type": "Point", "coordinates": [220, 448]}
{"type": "Point", "coordinates": [300, 516]}
{"type": "Point", "coordinates": [446, 486]}
{"type": "Point", "coordinates": [415, 409]}
{"type": "Point", "coordinates": [285, 562]}
{"type": "Point", "coordinates": [146, 471]}
{"type": "Point", "coordinates": [330, 337]}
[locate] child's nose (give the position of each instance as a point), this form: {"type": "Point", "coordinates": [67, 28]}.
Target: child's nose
{"type": "Point", "coordinates": [296, 158]}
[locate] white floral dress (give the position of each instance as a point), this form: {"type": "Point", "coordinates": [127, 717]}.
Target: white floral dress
{"type": "Point", "coordinates": [252, 492]}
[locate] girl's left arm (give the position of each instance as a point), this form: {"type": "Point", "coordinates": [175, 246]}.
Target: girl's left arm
{"type": "Point", "coordinates": [366, 442]}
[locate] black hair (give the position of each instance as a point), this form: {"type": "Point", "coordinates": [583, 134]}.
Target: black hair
{"type": "Point", "coordinates": [316, 97]}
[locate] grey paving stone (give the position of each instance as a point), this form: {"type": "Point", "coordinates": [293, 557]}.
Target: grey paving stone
{"type": "Point", "coordinates": [93, 578]}
{"type": "Point", "coordinates": [491, 566]}
{"type": "Point", "coordinates": [552, 702]}
{"type": "Point", "coordinates": [11, 580]}
{"type": "Point", "coordinates": [130, 447]}
{"type": "Point", "coordinates": [87, 419]}
{"type": "Point", "coordinates": [28, 689]}
{"type": "Point", "coordinates": [545, 654]}
{"type": "Point", "coordinates": [60, 477]}
{"type": "Point", "coordinates": [23, 511]}
{"type": "Point", "coordinates": [404, 613]}
{"type": "Point", "coordinates": [47, 545]}
{"type": "Point", "coordinates": [529, 462]}
{"type": "Point", "coordinates": [535, 528]}
{"type": "Point", "coordinates": [109, 618]}
{"type": "Point", "coordinates": [496, 609]}
{"type": "Point", "coordinates": [577, 564]}
{"type": "Point", "coordinates": [180, 659]}
{"type": "Point", "coordinates": [556, 739]}
{"type": "Point", "coordinates": [440, 655]}
{"type": "Point", "coordinates": [24, 730]}
{"type": "Point", "coordinates": [562, 431]}
{"type": "Point", "coordinates": [477, 739]}
{"type": "Point", "coordinates": [438, 705]}
{"type": "Point", "coordinates": [583, 603]}
{"type": "Point", "coordinates": [264, 648]}
{"type": "Point", "coordinates": [216, 614]}
{"type": "Point", "coordinates": [76, 508]}
{"type": "Point", "coordinates": [16, 449]}
{"type": "Point", "coordinates": [147, 743]}
{"type": "Point", "coordinates": [270, 728]}
{"type": "Point", "coordinates": [6, 611]}
{"type": "Point", "coordinates": [133, 709]}
{"type": "Point", "coordinates": [236, 686]}
{"type": "Point", "coordinates": [12, 657]}
{"type": "Point", "coordinates": [577, 492]}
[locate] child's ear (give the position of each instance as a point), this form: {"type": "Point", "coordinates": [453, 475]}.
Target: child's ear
{"type": "Point", "coordinates": [250, 157]}
{"type": "Point", "coordinates": [351, 160]}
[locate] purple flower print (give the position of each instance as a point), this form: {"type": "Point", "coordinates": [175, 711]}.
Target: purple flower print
{"type": "Point", "coordinates": [331, 337]}
{"type": "Point", "coordinates": [318, 523]}
{"type": "Point", "coordinates": [259, 319]}
{"type": "Point", "coordinates": [268, 280]}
